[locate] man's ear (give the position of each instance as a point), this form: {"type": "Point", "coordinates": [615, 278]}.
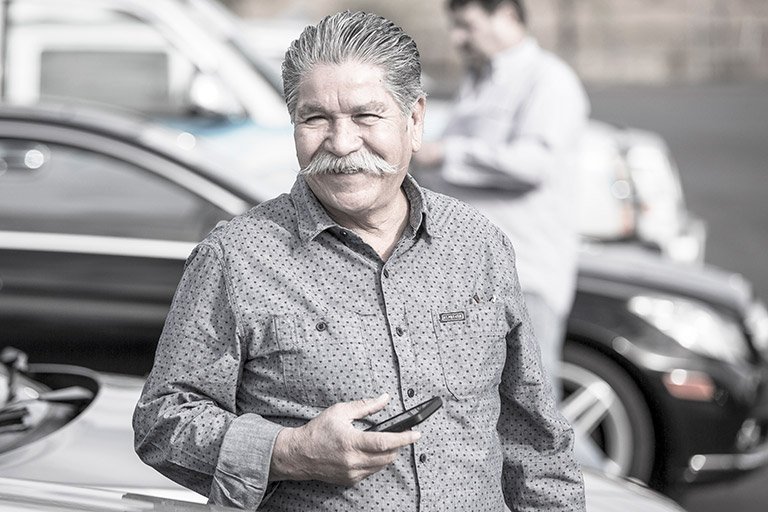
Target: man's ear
{"type": "Point", "coordinates": [417, 123]}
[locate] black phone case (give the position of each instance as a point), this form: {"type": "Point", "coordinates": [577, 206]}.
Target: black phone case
{"type": "Point", "coordinates": [409, 418]}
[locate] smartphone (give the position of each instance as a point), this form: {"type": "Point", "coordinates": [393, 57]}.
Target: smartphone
{"type": "Point", "coordinates": [409, 418]}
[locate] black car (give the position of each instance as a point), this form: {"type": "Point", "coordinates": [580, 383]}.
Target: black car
{"type": "Point", "coordinates": [665, 365]}
{"type": "Point", "coordinates": [95, 224]}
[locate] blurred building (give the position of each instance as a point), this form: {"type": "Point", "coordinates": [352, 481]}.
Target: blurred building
{"type": "Point", "coordinates": [607, 41]}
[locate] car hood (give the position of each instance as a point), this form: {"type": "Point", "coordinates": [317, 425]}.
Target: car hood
{"type": "Point", "coordinates": [94, 449]}
{"type": "Point", "coordinates": [605, 493]}
{"type": "Point", "coordinates": [17, 494]}
{"type": "Point", "coordinates": [632, 265]}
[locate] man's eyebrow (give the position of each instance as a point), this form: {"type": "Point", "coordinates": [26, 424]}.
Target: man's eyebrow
{"type": "Point", "coordinates": [307, 109]}
{"type": "Point", "coordinates": [371, 106]}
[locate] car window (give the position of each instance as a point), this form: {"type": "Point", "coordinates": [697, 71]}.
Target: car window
{"type": "Point", "coordinates": [53, 188]}
{"type": "Point", "coordinates": [62, 50]}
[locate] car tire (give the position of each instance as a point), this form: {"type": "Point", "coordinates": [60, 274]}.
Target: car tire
{"type": "Point", "coordinates": [604, 404]}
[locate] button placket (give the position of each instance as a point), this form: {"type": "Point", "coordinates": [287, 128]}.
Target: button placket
{"type": "Point", "coordinates": [401, 342]}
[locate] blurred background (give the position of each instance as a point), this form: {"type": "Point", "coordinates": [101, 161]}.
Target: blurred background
{"type": "Point", "coordinates": [606, 41]}
{"type": "Point", "coordinates": [676, 162]}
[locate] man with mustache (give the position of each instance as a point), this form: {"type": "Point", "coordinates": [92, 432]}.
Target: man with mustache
{"type": "Point", "coordinates": [360, 294]}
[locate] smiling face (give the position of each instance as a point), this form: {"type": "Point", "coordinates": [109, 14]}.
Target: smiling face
{"type": "Point", "coordinates": [346, 108]}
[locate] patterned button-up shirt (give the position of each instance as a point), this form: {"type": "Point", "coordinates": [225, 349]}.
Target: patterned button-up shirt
{"type": "Point", "coordinates": [281, 313]}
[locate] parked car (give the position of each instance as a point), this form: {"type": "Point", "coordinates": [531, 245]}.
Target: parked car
{"type": "Point", "coordinates": [36, 496]}
{"type": "Point", "coordinates": [666, 364]}
{"type": "Point", "coordinates": [71, 425]}
{"type": "Point", "coordinates": [195, 66]}
{"type": "Point", "coordinates": [66, 444]}
{"type": "Point", "coordinates": [663, 219]}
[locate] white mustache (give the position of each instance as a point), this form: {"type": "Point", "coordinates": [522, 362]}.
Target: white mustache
{"type": "Point", "coordinates": [359, 161]}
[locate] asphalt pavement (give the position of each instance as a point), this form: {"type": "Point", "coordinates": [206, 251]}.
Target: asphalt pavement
{"type": "Point", "coordinates": [719, 137]}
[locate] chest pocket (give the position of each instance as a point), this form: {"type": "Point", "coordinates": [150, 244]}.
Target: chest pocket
{"type": "Point", "coordinates": [324, 359]}
{"type": "Point", "coordinates": [472, 344]}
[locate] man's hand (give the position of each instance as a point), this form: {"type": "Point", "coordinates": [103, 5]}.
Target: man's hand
{"type": "Point", "coordinates": [329, 448]}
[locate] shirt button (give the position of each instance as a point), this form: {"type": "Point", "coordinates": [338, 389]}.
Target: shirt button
{"type": "Point", "coordinates": [386, 273]}
{"type": "Point", "coordinates": [399, 331]}
{"type": "Point", "coordinates": [423, 458]}
{"type": "Point", "coordinates": [321, 326]}
{"type": "Point", "coordinates": [411, 392]}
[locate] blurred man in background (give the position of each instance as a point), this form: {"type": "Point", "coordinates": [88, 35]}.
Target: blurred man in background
{"type": "Point", "coordinates": [510, 149]}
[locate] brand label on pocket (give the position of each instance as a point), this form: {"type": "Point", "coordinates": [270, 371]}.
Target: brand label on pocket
{"type": "Point", "coordinates": [454, 316]}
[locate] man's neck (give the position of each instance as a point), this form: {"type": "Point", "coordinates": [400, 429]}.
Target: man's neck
{"type": "Point", "coordinates": [381, 229]}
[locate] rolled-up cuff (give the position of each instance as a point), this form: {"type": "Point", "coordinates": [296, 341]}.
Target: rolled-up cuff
{"type": "Point", "coordinates": [241, 477]}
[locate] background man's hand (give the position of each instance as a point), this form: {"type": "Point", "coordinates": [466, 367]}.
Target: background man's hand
{"type": "Point", "coordinates": [329, 448]}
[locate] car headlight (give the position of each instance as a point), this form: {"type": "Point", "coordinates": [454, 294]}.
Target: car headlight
{"type": "Point", "coordinates": [694, 325]}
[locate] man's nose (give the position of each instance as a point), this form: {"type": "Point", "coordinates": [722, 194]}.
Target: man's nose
{"type": "Point", "coordinates": [343, 137]}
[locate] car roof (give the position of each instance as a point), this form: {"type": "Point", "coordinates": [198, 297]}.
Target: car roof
{"type": "Point", "coordinates": [632, 265]}
{"type": "Point", "coordinates": [138, 130]}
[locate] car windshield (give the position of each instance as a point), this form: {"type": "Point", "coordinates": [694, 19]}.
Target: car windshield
{"type": "Point", "coordinates": [225, 26]}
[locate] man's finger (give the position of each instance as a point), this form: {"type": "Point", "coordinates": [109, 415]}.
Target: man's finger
{"type": "Point", "coordinates": [362, 408]}
{"type": "Point", "coordinates": [386, 442]}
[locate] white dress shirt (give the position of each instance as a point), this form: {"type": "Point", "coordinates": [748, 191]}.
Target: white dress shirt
{"type": "Point", "coordinates": [511, 150]}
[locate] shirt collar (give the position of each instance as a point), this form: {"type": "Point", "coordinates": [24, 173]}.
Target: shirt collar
{"type": "Point", "coordinates": [313, 218]}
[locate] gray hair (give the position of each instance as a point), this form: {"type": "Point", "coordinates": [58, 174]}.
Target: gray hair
{"type": "Point", "coordinates": [359, 37]}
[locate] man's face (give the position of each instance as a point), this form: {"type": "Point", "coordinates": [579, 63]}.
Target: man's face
{"type": "Point", "coordinates": [343, 109]}
{"type": "Point", "coordinates": [480, 35]}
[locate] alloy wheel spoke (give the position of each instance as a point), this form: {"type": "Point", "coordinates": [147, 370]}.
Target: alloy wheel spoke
{"type": "Point", "coordinates": [586, 407]}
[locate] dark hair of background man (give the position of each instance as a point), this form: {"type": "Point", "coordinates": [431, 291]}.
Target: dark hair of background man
{"type": "Point", "coordinates": [490, 6]}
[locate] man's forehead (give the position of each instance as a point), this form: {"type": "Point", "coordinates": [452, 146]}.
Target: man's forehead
{"type": "Point", "coordinates": [356, 86]}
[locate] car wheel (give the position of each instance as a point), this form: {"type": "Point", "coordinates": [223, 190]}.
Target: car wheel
{"type": "Point", "coordinates": [604, 404]}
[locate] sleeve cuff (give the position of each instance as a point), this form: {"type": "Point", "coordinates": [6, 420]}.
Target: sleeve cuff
{"type": "Point", "coordinates": [242, 471]}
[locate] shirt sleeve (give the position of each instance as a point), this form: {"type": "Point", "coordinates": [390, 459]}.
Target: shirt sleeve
{"type": "Point", "coordinates": [549, 121]}
{"type": "Point", "coordinates": [186, 423]}
{"type": "Point", "coordinates": [540, 471]}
